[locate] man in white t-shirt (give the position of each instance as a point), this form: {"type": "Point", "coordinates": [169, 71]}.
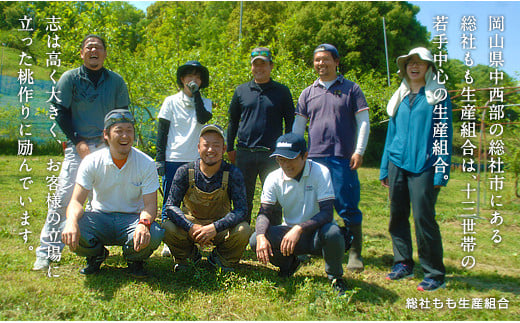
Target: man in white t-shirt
{"type": "Point", "coordinates": [304, 190]}
{"type": "Point", "coordinates": [124, 182]}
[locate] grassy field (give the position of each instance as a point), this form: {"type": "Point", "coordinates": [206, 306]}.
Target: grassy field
{"type": "Point", "coordinates": [254, 291]}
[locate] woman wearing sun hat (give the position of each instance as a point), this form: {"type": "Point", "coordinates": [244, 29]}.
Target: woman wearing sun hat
{"type": "Point", "coordinates": [415, 164]}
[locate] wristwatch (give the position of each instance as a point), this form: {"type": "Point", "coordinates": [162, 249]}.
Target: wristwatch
{"type": "Point", "coordinates": [146, 222]}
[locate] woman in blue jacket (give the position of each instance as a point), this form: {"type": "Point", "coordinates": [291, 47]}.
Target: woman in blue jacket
{"type": "Point", "coordinates": [415, 164]}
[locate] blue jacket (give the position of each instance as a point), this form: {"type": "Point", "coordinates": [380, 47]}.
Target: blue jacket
{"type": "Point", "coordinates": [410, 139]}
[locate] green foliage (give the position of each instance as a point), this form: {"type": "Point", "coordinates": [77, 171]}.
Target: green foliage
{"type": "Point", "coordinates": [356, 29]}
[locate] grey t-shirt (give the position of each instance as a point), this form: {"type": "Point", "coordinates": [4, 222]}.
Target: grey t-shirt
{"type": "Point", "coordinates": [89, 103]}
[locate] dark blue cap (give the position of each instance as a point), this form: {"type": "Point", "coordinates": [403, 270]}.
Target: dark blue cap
{"type": "Point", "coordinates": [290, 146]}
{"type": "Point", "coordinates": [329, 48]}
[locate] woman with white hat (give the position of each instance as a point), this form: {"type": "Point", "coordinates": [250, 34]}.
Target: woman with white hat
{"type": "Point", "coordinates": [415, 164]}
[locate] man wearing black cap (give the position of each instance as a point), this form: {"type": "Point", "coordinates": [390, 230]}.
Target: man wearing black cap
{"type": "Point", "coordinates": [213, 210]}
{"type": "Point", "coordinates": [180, 120]}
{"type": "Point", "coordinates": [257, 113]}
{"type": "Point", "coordinates": [124, 183]}
{"type": "Point", "coordinates": [337, 112]}
{"type": "Point", "coordinates": [84, 95]}
{"type": "Point", "coordinates": [304, 190]}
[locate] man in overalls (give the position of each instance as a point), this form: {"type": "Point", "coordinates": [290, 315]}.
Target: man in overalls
{"type": "Point", "coordinates": [206, 189]}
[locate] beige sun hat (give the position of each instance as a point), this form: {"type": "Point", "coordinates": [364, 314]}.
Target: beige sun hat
{"type": "Point", "coordinates": [423, 54]}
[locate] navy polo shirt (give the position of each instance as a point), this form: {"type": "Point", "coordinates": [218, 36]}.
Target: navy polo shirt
{"type": "Point", "coordinates": [256, 113]}
{"type": "Point", "coordinates": [331, 114]}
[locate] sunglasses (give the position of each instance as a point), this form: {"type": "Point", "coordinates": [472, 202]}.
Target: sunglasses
{"type": "Point", "coordinates": [122, 117]}
{"type": "Point", "coordinates": [261, 53]}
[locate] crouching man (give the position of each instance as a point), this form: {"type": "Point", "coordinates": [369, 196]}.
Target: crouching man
{"type": "Point", "coordinates": [124, 182]}
{"type": "Point", "coordinates": [304, 190]}
{"type": "Point", "coordinates": [206, 189]}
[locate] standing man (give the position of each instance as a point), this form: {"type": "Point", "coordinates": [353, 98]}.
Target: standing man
{"type": "Point", "coordinates": [124, 182]}
{"type": "Point", "coordinates": [257, 114]}
{"type": "Point", "coordinates": [304, 189]}
{"type": "Point", "coordinates": [214, 207]}
{"type": "Point", "coordinates": [337, 112]}
{"type": "Point", "coordinates": [84, 96]}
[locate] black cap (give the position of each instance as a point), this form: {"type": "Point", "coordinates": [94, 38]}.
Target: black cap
{"type": "Point", "coordinates": [204, 73]}
{"type": "Point", "coordinates": [329, 48]}
{"type": "Point", "coordinates": [118, 116]}
{"type": "Point", "coordinates": [290, 146]}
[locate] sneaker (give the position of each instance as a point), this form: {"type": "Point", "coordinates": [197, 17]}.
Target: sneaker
{"type": "Point", "coordinates": [400, 271]}
{"type": "Point", "coordinates": [166, 251]}
{"type": "Point", "coordinates": [430, 284]}
{"type": "Point", "coordinates": [215, 261]}
{"type": "Point", "coordinates": [184, 264]}
{"type": "Point", "coordinates": [177, 268]}
{"type": "Point", "coordinates": [339, 285]}
{"type": "Point", "coordinates": [286, 273]}
{"type": "Point", "coordinates": [136, 269]}
{"type": "Point", "coordinates": [93, 263]}
{"type": "Point", "coordinates": [41, 264]}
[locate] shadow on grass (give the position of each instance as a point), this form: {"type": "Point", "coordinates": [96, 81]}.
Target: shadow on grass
{"type": "Point", "coordinates": [204, 278]}
{"type": "Point", "coordinates": [457, 278]}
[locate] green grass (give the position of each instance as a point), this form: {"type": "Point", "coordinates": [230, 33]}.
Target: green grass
{"type": "Point", "coordinates": [254, 291]}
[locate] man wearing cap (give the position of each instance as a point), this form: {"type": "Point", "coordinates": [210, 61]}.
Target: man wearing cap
{"type": "Point", "coordinates": [180, 120]}
{"type": "Point", "coordinates": [124, 183]}
{"type": "Point", "coordinates": [214, 206]}
{"type": "Point", "coordinates": [258, 112]}
{"type": "Point", "coordinates": [337, 112]}
{"type": "Point", "coordinates": [83, 97]}
{"type": "Point", "coordinates": [304, 190]}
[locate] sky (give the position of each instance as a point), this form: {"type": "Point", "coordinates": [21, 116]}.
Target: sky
{"type": "Point", "coordinates": [455, 10]}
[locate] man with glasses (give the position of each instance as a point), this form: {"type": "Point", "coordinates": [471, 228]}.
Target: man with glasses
{"type": "Point", "coordinates": [339, 125]}
{"type": "Point", "coordinates": [258, 112]}
{"type": "Point", "coordinates": [304, 190]}
{"type": "Point", "coordinates": [83, 97]}
{"type": "Point", "coordinates": [124, 183]}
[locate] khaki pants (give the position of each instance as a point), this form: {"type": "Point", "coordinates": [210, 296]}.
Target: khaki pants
{"type": "Point", "coordinates": [230, 243]}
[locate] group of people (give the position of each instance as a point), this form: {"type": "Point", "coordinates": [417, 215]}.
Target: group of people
{"type": "Point", "coordinates": [208, 202]}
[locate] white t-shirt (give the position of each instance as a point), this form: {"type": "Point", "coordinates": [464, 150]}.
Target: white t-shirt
{"type": "Point", "coordinates": [118, 190]}
{"type": "Point", "coordinates": [183, 135]}
{"type": "Point", "coordinates": [299, 199]}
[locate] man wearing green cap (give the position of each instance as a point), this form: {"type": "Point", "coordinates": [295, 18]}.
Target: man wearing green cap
{"type": "Point", "coordinates": [259, 112]}
{"type": "Point", "coordinates": [124, 183]}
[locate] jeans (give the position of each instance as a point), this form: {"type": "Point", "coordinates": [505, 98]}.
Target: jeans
{"type": "Point", "coordinates": [326, 241]}
{"type": "Point", "coordinates": [99, 229]}
{"type": "Point", "coordinates": [169, 172]}
{"type": "Point", "coordinates": [51, 245]}
{"type": "Point", "coordinates": [346, 188]}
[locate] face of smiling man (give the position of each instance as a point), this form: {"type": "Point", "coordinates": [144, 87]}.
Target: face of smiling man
{"type": "Point", "coordinates": [120, 138]}
{"type": "Point", "coordinates": [93, 53]}
{"type": "Point", "coordinates": [211, 148]}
